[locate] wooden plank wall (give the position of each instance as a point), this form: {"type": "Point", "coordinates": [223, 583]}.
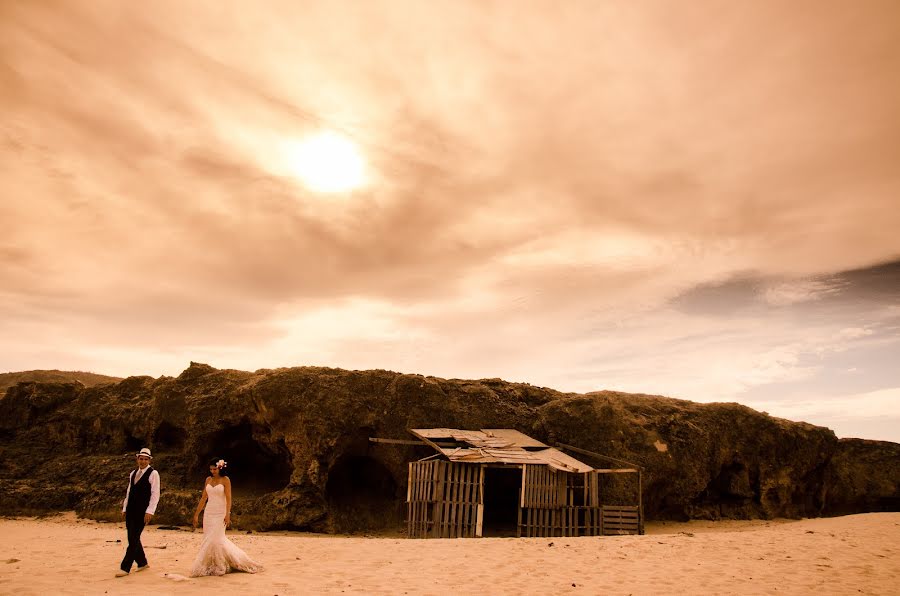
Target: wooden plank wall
{"type": "Point", "coordinates": [445, 499]}
{"type": "Point", "coordinates": [620, 519]}
{"type": "Point", "coordinates": [619, 494]}
{"type": "Point", "coordinates": [419, 496]}
{"type": "Point", "coordinates": [556, 503]}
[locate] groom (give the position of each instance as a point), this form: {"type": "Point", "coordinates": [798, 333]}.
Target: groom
{"type": "Point", "coordinates": [139, 506]}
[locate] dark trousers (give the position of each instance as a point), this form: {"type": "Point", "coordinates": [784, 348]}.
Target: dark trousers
{"type": "Point", "coordinates": [134, 523]}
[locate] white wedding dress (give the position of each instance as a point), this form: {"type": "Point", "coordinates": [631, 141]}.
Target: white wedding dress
{"type": "Point", "coordinates": [218, 555]}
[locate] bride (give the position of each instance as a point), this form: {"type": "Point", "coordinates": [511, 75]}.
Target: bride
{"type": "Point", "coordinates": [218, 555]}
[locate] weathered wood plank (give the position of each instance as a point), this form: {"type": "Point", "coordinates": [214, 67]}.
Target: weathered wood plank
{"type": "Point", "coordinates": [461, 520]}
{"type": "Point", "coordinates": [519, 523]}
{"type": "Point", "coordinates": [640, 496]}
{"type": "Point", "coordinates": [397, 441]}
{"type": "Point", "coordinates": [597, 455]}
{"type": "Point", "coordinates": [451, 499]}
{"type": "Point", "coordinates": [479, 520]}
{"type": "Point", "coordinates": [438, 515]}
{"type": "Point", "coordinates": [524, 492]}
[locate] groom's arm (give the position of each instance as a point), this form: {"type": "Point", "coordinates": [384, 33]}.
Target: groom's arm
{"type": "Point", "coordinates": [127, 492]}
{"type": "Point", "coordinates": [154, 497]}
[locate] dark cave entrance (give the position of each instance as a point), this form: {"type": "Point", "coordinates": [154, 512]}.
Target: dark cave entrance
{"type": "Point", "coordinates": [168, 437]}
{"type": "Point", "coordinates": [133, 444]}
{"type": "Point", "coordinates": [501, 501]}
{"type": "Point", "coordinates": [362, 495]}
{"type": "Point", "coordinates": [731, 486]}
{"type": "Point", "coordinates": [255, 467]}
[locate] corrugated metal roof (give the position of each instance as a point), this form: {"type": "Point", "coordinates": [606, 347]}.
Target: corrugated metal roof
{"type": "Point", "coordinates": [559, 460]}
{"type": "Point", "coordinates": [515, 437]}
{"type": "Point", "coordinates": [499, 446]}
{"type": "Point", "coordinates": [487, 437]}
{"type": "Point", "coordinates": [434, 433]}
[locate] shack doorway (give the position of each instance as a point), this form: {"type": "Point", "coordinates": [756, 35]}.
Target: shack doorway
{"type": "Point", "coordinates": [502, 493]}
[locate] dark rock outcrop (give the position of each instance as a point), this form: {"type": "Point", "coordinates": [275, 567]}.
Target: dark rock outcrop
{"type": "Point", "coordinates": [87, 379]}
{"type": "Point", "coordinates": [297, 444]}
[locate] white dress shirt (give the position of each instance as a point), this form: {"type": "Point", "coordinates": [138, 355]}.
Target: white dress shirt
{"type": "Point", "coordinates": [154, 490]}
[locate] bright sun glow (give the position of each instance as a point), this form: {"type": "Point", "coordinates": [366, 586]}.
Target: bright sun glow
{"type": "Point", "coordinates": [327, 162]}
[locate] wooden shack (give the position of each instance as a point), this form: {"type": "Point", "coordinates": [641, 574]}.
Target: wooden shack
{"type": "Point", "coordinates": [500, 482]}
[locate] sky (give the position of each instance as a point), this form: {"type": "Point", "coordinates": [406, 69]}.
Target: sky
{"type": "Point", "coordinates": [699, 200]}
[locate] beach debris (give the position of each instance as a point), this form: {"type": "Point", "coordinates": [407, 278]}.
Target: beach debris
{"type": "Point", "coordinates": [551, 544]}
{"type": "Point", "coordinates": [12, 561]}
{"type": "Point", "coordinates": [159, 547]}
{"type": "Point", "coordinates": [114, 541]}
{"type": "Point", "coordinates": [170, 528]}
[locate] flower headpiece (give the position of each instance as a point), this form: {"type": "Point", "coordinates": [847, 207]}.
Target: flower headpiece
{"type": "Point", "coordinates": [221, 464]}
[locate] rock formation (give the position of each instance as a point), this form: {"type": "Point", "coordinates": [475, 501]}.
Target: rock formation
{"type": "Point", "coordinates": [87, 379]}
{"type": "Point", "coordinates": [296, 440]}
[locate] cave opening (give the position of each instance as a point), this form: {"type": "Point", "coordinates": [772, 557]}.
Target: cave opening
{"type": "Point", "coordinates": [732, 485]}
{"type": "Point", "coordinates": [255, 466]}
{"type": "Point", "coordinates": [362, 495]}
{"type": "Point", "coordinates": [133, 444]}
{"type": "Point", "coordinates": [168, 437]}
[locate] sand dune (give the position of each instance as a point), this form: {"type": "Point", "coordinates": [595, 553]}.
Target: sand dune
{"type": "Point", "coordinates": [847, 555]}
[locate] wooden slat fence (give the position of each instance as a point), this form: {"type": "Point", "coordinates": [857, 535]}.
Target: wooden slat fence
{"type": "Point", "coordinates": [618, 520]}
{"type": "Point", "coordinates": [444, 499]}
{"type": "Point", "coordinates": [556, 503]}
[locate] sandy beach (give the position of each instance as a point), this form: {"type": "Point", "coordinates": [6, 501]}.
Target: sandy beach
{"type": "Point", "coordinates": [858, 554]}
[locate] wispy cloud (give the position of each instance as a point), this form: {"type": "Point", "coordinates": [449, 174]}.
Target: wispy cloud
{"type": "Point", "coordinates": [788, 293]}
{"type": "Point", "coordinates": [546, 183]}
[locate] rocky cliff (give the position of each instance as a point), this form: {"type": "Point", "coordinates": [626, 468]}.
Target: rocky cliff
{"type": "Point", "coordinates": [87, 379]}
{"type": "Point", "coordinates": [297, 445]}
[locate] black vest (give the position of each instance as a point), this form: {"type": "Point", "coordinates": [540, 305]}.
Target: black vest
{"type": "Point", "coordinates": [139, 494]}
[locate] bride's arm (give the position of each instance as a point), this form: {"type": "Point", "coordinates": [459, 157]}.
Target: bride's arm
{"type": "Point", "coordinates": [202, 503]}
{"type": "Point", "coordinates": [227, 501]}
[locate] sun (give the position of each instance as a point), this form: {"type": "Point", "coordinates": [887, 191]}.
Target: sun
{"type": "Point", "coordinates": [327, 162]}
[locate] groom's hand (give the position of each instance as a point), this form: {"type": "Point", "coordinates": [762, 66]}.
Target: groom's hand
{"type": "Point", "coordinates": [147, 518]}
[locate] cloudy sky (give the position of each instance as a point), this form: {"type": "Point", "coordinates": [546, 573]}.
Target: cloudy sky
{"type": "Point", "coordinates": [697, 199]}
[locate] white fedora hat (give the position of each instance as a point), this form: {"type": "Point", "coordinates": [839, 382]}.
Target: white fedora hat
{"type": "Point", "coordinates": [144, 451]}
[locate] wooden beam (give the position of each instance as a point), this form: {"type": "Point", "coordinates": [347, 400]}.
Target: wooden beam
{"type": "Point", "coordinates": [640, 505]}
{"type": "Point", "coordinates": [595, 454]}
{"type": "Point", "coordinates": [408, 442]}
{"type": "Point", "coordinates": [616, 470]}
{"type": "Point", "coordinates": [426, 440]}
{"type": "Point", "coordinates": [396, 441]}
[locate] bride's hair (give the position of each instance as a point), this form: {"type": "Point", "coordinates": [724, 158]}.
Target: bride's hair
{"type": "Point", "coordinates": [223, 469]}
